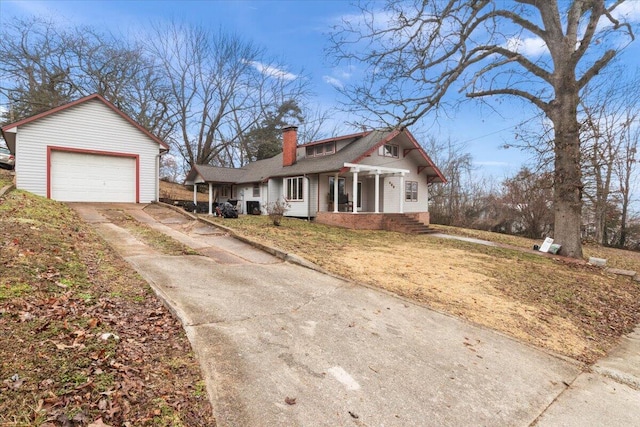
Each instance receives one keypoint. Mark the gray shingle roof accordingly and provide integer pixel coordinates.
(261, 170)
(216, 174)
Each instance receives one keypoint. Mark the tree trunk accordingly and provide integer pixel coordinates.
(600, 222)
(567, 198)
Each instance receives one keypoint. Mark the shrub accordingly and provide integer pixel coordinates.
(276, 210)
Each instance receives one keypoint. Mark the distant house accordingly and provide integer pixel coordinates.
(352, 181)
(85, 151)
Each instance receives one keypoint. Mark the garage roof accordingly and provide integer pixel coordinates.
(10, 137)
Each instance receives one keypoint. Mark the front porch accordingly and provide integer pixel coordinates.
(368, 193)
(413, 223)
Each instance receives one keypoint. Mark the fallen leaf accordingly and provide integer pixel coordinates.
(290, 400)
(25, 316)
(108, 335)
(98, 423)
(102, 404)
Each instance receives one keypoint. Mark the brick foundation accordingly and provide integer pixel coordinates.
(423, 217)
(365, 221)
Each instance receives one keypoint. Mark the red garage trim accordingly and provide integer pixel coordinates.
(96, 152)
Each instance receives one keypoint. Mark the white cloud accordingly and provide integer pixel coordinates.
(344, 73)
(491, 163)
(272, 71)
(530, 46)
(333, 81)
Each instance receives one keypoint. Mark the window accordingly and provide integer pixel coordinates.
(225, 191)
(256, 190)
(329, 147)
(341, 184)
(294, 188)
(411, 191)
(389, 150)
(321, 149)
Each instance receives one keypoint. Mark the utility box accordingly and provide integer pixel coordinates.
(253, 207)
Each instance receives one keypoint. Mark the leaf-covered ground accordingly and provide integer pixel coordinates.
(83, 339)
(574, 309)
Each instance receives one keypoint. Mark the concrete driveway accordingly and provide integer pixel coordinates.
(283, 345)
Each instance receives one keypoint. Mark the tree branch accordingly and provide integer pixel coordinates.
(514, 92)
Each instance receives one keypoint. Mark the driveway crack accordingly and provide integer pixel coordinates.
(248, 318)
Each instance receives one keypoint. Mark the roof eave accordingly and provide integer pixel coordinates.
(80, 101)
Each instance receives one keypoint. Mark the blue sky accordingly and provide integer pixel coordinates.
(296, 33)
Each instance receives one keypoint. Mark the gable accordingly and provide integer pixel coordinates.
(89, 114)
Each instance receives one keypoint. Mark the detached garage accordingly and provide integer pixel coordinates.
(86, 151)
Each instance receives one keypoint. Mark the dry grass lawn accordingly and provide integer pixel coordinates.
(172, 190)
(572, 309)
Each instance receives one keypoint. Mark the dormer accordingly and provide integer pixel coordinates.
(320, 149)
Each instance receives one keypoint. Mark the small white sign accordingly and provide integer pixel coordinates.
(546, 245)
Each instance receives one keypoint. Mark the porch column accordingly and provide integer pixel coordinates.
(402, 190)
(195, 193)
(335, 194)
(210, 198)
(377, 193)
(355, 191)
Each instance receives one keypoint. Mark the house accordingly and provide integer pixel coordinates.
(355, 181)
(86, 151)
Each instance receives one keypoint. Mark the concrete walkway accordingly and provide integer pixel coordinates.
(283, 345)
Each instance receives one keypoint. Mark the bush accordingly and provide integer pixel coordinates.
(276, 210)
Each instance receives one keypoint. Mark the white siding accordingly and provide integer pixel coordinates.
(390, 194)
(246, 191)
(300, 208)
(308, 206)
(90, 125)
(391, 184)
(275, 190)
(313, 195)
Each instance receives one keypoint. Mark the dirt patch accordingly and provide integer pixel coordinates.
(452, 281)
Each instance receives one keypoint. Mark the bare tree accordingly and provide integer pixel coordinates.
(450, 202)
(626, 168)
(318, 124)
(221, 87)
(606, 112)
(423, 49)
(34, 73)
(526, 202)
(44, 66)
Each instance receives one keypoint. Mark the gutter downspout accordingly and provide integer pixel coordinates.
(158, 157)
(307, 181)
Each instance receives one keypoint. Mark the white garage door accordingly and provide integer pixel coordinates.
(79, 177)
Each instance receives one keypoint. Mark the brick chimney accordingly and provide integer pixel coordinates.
(289, 145)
